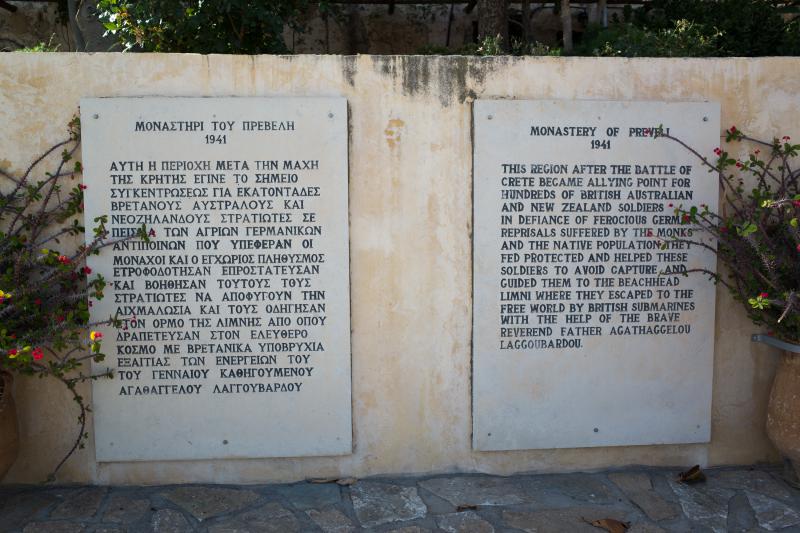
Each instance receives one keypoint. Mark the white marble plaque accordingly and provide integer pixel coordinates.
(586, 333)
(236, 337)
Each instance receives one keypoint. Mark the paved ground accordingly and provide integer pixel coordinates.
(731, 499)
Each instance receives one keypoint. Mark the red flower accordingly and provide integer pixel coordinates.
(763, 295)
(717, 151)
(757, 151)
(685, 218)
(670, 205)
(12, 351)
(37, 354)
(786, 137)
(82, 187)
(87, 270)
(798, 247)
(723, 229)
(60, 318)
(37, 301)
(733, 129)
(738, 164)
(63, 259)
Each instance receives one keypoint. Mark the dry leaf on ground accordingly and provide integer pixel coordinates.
(611, 525)
(693, 475)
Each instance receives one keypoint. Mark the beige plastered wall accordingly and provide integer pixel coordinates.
(410, 226)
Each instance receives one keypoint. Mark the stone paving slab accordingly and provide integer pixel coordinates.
(650, 500)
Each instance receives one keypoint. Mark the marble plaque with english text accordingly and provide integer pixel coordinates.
(586, 330)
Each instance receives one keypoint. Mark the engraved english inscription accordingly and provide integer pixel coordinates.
(587, 328)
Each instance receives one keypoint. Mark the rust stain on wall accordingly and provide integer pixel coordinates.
(393, 132)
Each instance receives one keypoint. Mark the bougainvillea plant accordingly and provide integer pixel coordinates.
(46, 288)
(756, 231)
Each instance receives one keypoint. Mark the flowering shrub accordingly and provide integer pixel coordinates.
(757, 234)
(45, 286)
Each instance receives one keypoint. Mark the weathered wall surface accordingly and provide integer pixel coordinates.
(411, 217)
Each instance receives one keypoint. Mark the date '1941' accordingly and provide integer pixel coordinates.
(216, 139)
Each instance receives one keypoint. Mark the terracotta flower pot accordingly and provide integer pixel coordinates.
(783, 412)
(9, 436)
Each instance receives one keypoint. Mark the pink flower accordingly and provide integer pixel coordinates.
(763, 295)
(37, 354)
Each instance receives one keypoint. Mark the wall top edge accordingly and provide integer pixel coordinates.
(432, 57)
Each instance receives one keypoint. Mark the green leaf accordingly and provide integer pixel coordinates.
(747, 229)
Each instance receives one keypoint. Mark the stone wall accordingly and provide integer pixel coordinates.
(410, 227)
(31, 24)
(347, 29)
